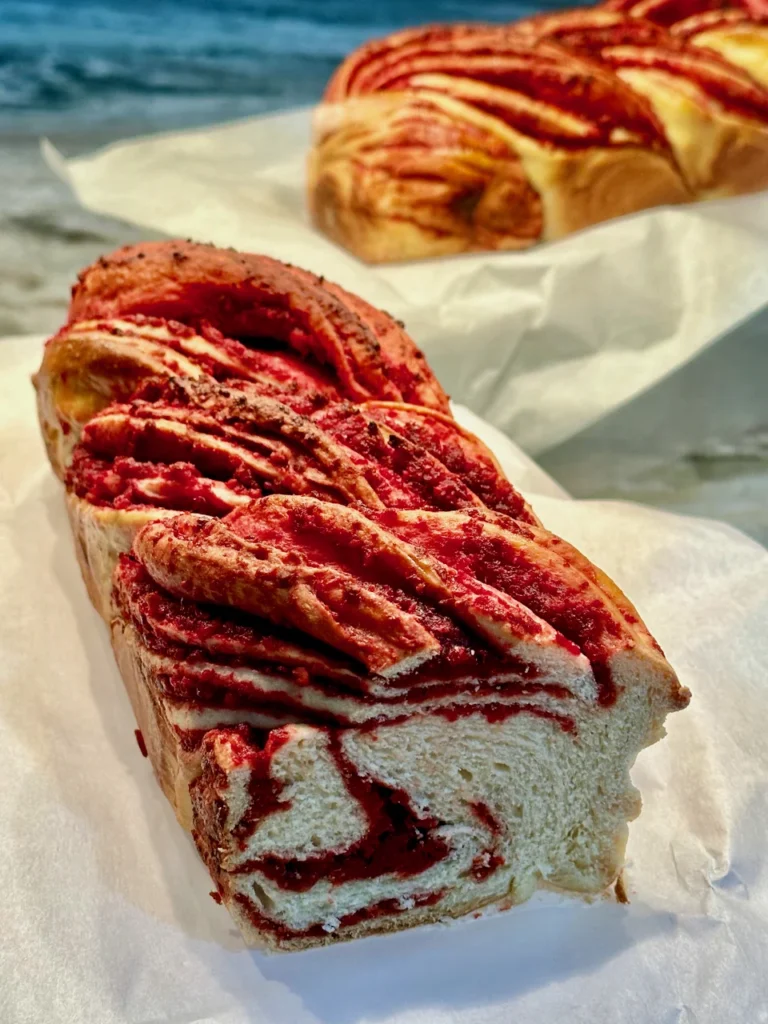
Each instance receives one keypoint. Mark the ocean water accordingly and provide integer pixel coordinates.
(78, 65)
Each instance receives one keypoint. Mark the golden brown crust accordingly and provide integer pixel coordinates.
(114, 342)
(737, 32)
(89, 364)
(714, 116)
(247, 297)
(461, 138)
(101, 535)
(737, 38)
(259, 939)
(174, 768)
(526, 192)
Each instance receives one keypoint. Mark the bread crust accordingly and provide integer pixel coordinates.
(463, 138)
(720, 154)
(298, 660)
(101, 535)
(175, 769)
(367, 210)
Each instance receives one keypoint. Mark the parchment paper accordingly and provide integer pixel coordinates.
(106, 916)
(542, 343)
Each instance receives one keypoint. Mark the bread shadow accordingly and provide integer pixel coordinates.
(466, 965)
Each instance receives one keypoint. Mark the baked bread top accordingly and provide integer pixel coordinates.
(377, 690)
(455, 138)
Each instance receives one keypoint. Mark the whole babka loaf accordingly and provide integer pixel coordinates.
(463, 137)
(374, 687)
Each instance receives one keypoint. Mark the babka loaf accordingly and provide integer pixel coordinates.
(373, 686)
(737, 31)
(464, 137)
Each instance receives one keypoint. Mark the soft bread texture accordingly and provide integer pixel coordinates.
(738, 40)
(516, 192)
(454, 138)
(714, 115)
(374, 687)
(558, 816)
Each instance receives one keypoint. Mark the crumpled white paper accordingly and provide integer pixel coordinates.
(106, 916)
(542, 343)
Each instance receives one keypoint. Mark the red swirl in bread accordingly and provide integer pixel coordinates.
(377, 690)
(461, 137)
(191, 444)
(181, 308)
(452, 138)
(422, 657)
(713, 113)
(739, 32)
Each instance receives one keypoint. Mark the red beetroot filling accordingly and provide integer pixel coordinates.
(207, 629)
(486, 862)
(171, 624)
(485, 815)
(482, 476)
(667, 12)
(529, 71)
(590, 40)
(211, 634)
(262, 302)
(264, 792)
(140, 742)
(144, 437)
(584, 621)
(217, 687)
(278, 373)
(501, 712)
(484, 865)
(396, 464)
(603, 106)
(182, 488)
(397, 841)
(737, 94)
(493, 712)
(404, 474)
(326, 543)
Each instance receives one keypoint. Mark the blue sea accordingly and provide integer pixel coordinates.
(75, 65)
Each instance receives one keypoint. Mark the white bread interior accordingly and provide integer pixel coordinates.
(562, 801)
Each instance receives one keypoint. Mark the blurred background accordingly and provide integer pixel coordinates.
(83, 73)
(86, 72)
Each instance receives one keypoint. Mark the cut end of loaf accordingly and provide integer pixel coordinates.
(319, 836)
